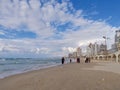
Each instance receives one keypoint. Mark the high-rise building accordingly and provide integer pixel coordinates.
(117, 36)
(70, 55)
(79, 52)
(116, 45)
(96, 48)
(103, 49)
(93, 49)
(90, 50)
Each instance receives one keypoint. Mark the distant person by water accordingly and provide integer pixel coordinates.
(70, 60)
(62, 60)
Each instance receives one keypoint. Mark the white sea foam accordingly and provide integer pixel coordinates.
(10, 67)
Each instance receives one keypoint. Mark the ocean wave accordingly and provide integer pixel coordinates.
(14, 66)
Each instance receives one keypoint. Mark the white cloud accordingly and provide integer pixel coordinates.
(2, 33)
(69, 49)
(38, 17)
(35, 4)
(40, 50)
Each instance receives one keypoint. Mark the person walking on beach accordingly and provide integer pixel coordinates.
(78, 60)
(63, 60)
(70, 60)
(87, 60)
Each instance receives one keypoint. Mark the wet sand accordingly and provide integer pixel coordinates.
(74, 76)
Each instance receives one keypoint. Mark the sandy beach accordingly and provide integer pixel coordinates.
(74, 76)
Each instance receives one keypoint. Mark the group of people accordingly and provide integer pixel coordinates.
(87, 60)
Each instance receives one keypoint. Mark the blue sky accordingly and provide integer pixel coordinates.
(43, 28)
(100, 9)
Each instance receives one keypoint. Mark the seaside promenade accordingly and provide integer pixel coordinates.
(73, 76)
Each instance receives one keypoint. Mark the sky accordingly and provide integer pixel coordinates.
(53, 28)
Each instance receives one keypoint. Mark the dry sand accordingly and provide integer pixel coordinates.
(72, 76)
(107, 66)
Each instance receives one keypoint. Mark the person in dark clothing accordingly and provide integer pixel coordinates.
(70, 60)
(89, 60)
(78, 60)
(63, 60)
(86, 61)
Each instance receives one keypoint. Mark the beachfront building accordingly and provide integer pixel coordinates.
(114, 52)
(117, 36)
(72, 55)
(96, 48)
(90, 50)
(77, 53)
(96, 51)
(100, 52)
(93, 50)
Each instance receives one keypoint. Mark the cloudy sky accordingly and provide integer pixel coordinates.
(43, 28)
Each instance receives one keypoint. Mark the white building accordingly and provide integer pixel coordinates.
(79, 52)
(100, 52)
(103, 49)
(96, 48)
(112, 54)
(93, 49)
(117, 36)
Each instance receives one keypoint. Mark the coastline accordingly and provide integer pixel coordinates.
(2, 76)
(63, 77)
(9, 67)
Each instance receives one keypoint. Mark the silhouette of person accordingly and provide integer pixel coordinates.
(70, 60)
(89, 59)
(78, 60)
(63, 60)
(86, 61)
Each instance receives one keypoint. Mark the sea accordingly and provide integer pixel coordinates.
(12, 66)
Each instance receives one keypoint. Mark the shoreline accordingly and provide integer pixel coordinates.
(96, 62)
(63, 77)
(96, 66)
(2, 76)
